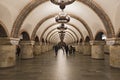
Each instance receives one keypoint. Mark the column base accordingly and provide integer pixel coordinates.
(26, 51)
(115, 56)
(7, 56)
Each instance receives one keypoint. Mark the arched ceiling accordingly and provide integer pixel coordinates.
(68, 35)
(88, 17)
(70, 32)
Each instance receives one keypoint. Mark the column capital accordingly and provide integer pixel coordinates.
(113, 41)
(9, 41)
(94, 42)
(86, 43)
(27, 42)
(14, 41)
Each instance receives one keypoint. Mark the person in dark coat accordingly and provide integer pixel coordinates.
(66, 49)
(73, 50)
(56, 47)
(70, 50)
(18, 50)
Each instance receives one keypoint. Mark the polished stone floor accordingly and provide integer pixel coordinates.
(47, 66)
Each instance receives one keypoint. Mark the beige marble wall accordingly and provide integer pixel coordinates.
(37, 49)
(114, 50)
(97, 49)
(87, 49)
(7, 55)
(7, 52)
(80, 48)
(26, 49)
(106, 49)
(115, 56)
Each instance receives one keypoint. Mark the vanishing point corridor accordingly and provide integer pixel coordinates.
(47, 66)
(59, 39)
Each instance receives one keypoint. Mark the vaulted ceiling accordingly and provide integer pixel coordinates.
(37, 18)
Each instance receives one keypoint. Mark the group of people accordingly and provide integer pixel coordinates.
(66, 49)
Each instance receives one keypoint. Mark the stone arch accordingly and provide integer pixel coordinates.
(50, 16)
(92, 4)
(51, 36)
(47, 38)
(25, 36)
(68, 24)
(87, 39)
(117, 20)
(3, 32)
(6, 18)
(68, 28)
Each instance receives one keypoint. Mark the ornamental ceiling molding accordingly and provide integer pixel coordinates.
(56, 32)
(68, 24)
(92, 4)
(53, 15)
(65, 31)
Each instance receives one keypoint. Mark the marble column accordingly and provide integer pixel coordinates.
(106, 49)
(114, 52)
(80, 48)
(86, 49)
(43, 47)
(26, 49)
(37, 49)
(7, 52)
(76, 47)
(97, 49)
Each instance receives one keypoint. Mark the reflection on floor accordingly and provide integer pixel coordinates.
(61, 67)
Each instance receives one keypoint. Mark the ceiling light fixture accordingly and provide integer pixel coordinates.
(62, 17)
(62, 3)
(62, 27)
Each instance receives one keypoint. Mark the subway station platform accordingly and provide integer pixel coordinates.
(47, 66)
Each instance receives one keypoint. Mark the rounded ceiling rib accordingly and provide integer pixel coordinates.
(52, 35)
(23, 14)
(55, 24)
(50, 16)
(102, 15)
(92, 4)
(70, 40)
(73, 38)
(85, 25)
(55, 29)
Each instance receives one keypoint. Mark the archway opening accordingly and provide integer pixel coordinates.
(118, 35)
(2, 32)
(87, 39)
(25, 36)
(100, 36)
(81, 40)
(36, 39)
